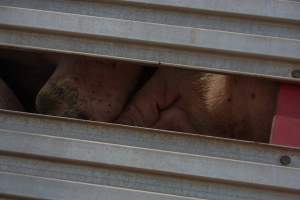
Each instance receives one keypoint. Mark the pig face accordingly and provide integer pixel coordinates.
(197, 102)
(88, 89)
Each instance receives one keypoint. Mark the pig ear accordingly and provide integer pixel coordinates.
(144, 109)
(8, 99)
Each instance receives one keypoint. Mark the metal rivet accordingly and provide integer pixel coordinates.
(296, 73)
(285, 160)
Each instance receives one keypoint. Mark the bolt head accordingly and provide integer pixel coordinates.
(285, 160)
(296, 73)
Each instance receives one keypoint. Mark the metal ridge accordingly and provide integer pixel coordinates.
(66, 151)
(137, 31)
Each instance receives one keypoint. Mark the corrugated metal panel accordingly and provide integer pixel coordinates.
(58, 158)
(258, 37)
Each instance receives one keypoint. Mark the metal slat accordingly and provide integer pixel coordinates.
(272, 9)
(82, 159)
(288, 10)
(146, 138)
(197, 18)
(148, 33)
(152, 160)
(147, 54)
(136, 180)
(118, 36)
(41, 188)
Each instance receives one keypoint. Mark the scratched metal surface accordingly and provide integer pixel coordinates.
(63, 159)
(257, 38)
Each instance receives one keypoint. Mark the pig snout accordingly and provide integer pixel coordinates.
(88, 89)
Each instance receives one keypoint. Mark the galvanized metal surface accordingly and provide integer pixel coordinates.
(259, 8)
(249, 37)
(151, 160)
(165, 13)
(150, 33)
(64, 155)
(145, 138)
(64, 190)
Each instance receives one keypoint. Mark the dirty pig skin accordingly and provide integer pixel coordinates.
(172, 99)
(196, 102)
(88, 89)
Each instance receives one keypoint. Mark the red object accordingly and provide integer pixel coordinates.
(286, 123)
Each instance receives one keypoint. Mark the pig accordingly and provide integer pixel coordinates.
(196, 102)
(8, 99)
(88, 88)
(171, 99)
